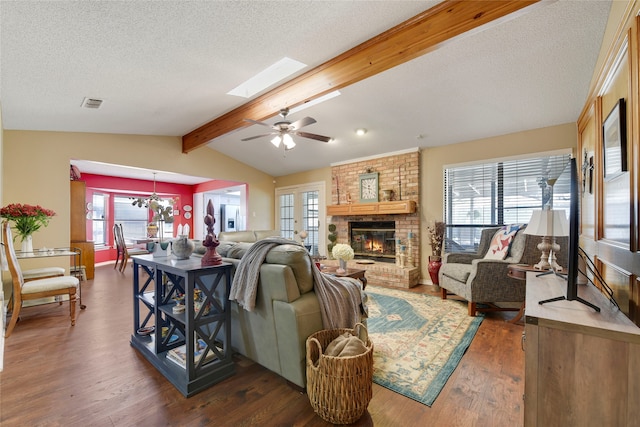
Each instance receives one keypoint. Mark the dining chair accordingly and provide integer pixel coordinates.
(34, 289)
(119, 245)
(124, 251)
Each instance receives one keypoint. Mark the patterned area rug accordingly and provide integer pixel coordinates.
(418, 340)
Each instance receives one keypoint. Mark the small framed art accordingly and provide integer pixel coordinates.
(614, 141)
(369, 187)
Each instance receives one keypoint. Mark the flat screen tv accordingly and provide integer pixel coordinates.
(566, 188)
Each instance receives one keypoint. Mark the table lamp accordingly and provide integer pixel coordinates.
(548, 223)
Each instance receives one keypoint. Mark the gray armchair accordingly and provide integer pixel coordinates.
(480, 280)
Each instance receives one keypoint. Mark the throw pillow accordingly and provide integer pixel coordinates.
(501, 242)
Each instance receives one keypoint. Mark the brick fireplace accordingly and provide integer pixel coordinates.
(399, 172)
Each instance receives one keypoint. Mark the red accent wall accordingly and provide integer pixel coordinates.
(135, 187)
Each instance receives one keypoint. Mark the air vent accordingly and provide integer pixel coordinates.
(91, 103)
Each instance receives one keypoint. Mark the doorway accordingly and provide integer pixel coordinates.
(300, 215)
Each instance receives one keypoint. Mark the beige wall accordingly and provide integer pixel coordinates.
(35, 170)
(315, 175)
(433, 160)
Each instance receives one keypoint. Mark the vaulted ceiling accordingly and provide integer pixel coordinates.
(164, 68)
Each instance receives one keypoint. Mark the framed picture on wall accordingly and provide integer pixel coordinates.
(614, 141)
(369, 187)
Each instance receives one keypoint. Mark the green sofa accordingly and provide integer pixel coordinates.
(287, 310)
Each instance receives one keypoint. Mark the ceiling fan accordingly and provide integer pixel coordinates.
(283, 130)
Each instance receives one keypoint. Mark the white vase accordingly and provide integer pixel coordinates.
(27, 245)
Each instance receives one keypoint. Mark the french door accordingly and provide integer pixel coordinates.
(301, 210)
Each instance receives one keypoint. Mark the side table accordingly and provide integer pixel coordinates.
(354, 273)
(519, 272)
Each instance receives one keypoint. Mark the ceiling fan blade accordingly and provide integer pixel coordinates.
(255, 122)
(306, 121)
(257, 136)
(313, 136)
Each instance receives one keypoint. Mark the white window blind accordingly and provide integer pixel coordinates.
(496, 193)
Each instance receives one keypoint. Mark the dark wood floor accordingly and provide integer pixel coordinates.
(89, 375)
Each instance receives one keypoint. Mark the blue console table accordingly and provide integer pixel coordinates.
(161, 283)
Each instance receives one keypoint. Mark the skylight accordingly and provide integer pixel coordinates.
(267, 77)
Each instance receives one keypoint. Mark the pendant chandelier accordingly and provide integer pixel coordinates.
(154, 203)
(147, 201)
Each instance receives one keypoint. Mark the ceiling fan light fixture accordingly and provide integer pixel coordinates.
(288, 141)
(276, 141)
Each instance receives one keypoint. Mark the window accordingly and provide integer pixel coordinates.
(497, 193)
(166, 227)
(99, 218)
(134, 220)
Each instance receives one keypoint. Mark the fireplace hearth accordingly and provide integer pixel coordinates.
(373, 240)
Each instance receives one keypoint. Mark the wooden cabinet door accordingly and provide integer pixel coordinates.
(78, 220)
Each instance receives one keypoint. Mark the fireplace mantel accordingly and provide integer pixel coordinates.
(380, 208)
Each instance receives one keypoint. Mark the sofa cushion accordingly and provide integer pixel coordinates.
(263, 234)
(237, 236)
(198, 249)
(501, 242)
(298, 259)
(224, 247)
(294, 256)
(235, 250)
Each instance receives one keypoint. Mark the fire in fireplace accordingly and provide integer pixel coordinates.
(373, 240)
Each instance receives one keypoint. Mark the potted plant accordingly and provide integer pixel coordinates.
(436, 235)
(27, 220)
(333, 237)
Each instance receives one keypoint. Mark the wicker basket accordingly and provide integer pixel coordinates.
(339, 388)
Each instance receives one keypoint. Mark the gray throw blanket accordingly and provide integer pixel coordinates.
(341, 298)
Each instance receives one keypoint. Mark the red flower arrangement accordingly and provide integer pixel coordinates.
(28, 218)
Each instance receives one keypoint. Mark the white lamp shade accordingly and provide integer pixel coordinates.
(276, 141)
(288, 141)
(548, 222)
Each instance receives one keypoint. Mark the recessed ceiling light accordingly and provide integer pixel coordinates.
(267, 77)
(361, 131)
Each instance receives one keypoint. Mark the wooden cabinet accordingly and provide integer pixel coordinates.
(77, 213)
(582, 368)
(381, 208)
(78, 226)
(87, 258)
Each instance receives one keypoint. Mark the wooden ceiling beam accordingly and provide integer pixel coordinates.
(404, 42)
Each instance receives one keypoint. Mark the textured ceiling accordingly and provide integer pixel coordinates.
(163, 68)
